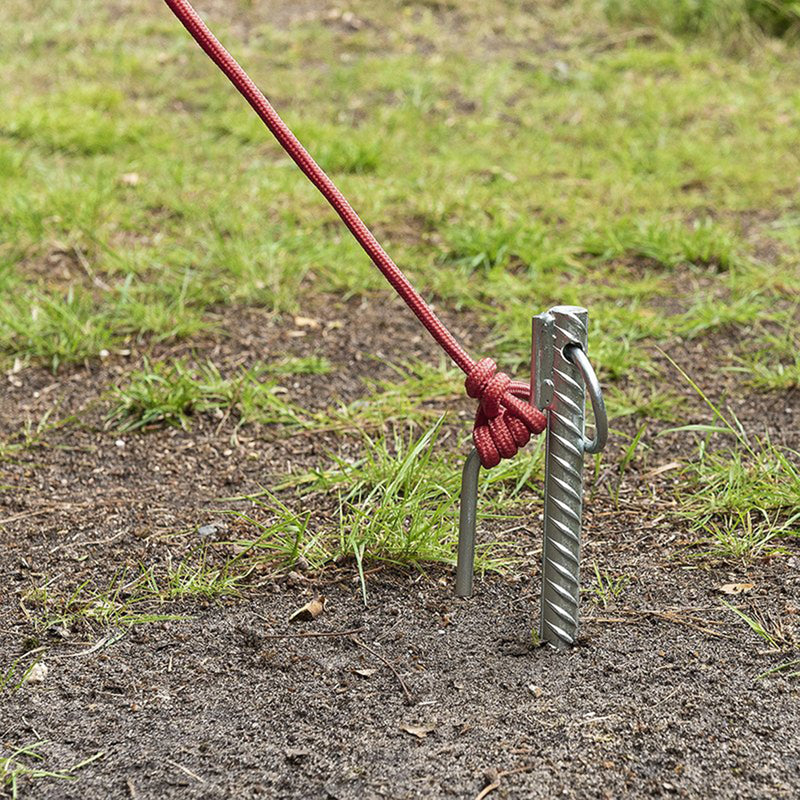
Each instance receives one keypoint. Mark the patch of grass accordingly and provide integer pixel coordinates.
(284, 537)
(419, 395)
(32, 434)
(195, 576)
(744, 496)
(54, 329)
(774, 365)
(485, 248)
(499, 489)
(298, 365)
(137, 596)
(666, 244)
(769, 630)
(171, 393)
(711, 313)
(398, 504)
(127, 601)
(18, 767)
(642, 400)
(608, 588)
(400, 507)
(727, 20)
(743, 534)
(82, 121)
(15, 675)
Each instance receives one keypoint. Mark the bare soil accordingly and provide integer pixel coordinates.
(419, 694)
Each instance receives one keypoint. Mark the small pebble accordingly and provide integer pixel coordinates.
(38, 672)
(211, 528)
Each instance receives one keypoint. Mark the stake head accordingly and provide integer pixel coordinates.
(542, 345)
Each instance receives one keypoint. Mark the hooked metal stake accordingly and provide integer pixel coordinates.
(560, 375)
(465, 568)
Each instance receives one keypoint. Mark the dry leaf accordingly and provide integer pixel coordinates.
(735, 588)
(311, 610)
(365, 672)
(420, 731)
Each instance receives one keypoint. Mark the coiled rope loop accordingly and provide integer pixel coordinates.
(505, 420)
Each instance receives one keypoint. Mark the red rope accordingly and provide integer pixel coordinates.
(505, 420)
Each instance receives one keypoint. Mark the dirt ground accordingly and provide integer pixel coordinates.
(420, 694)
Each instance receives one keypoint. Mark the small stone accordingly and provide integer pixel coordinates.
(211, 528)
(120, 443)
(536, 691)
(37, 673)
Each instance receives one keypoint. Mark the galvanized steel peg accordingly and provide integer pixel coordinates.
(560, 375)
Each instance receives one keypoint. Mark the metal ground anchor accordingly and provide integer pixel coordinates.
(560, 375)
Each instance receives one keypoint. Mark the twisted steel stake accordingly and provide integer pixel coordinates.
(563, 499)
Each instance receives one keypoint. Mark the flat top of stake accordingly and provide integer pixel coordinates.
(568, 310)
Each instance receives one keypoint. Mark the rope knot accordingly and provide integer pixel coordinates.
(505, 419)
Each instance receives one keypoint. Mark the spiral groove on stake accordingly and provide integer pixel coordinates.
(505, 420)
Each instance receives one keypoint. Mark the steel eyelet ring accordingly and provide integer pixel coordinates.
(578, 357)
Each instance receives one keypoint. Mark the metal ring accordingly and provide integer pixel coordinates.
(575, 354)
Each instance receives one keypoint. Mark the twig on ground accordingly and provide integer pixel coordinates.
(406, 691)
(186, 770)
(667, 615)
(102, 644)
(495, 783)
(314, 634)
(487, 790)
(85, 543)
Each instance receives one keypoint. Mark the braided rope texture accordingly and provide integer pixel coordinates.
(505, 420)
